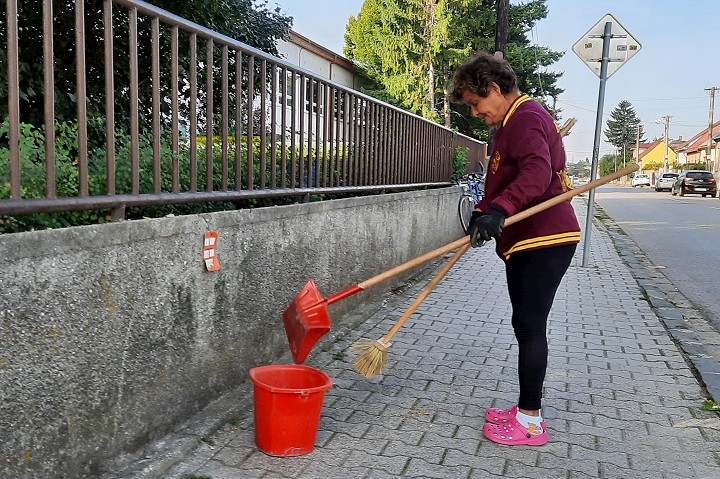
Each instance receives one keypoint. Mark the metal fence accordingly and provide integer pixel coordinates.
(185, 114)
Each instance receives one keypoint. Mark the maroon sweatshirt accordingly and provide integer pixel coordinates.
(527, 167)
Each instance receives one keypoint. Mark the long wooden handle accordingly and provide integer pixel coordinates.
(425, 292)
(512, 219)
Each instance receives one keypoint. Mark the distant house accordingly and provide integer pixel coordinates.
(305, 53)
(321, 62)
(652, 155)
(694, 150)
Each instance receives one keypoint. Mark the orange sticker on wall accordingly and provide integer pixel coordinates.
(209, 251)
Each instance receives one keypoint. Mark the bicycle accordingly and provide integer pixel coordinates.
(472, 185)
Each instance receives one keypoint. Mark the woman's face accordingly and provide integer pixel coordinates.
(491, 108)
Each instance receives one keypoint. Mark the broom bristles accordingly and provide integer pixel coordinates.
(371, 358)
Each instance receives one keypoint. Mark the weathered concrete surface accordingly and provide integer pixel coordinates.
(112, 334)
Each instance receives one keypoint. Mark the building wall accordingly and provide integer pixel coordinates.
(657, 154)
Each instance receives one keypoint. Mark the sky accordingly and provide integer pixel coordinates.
(668, 76)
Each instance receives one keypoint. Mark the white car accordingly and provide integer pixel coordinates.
(665, 181)
(640, 180)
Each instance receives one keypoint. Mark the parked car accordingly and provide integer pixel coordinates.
(665, 181)
(695, 182)
(640, 180)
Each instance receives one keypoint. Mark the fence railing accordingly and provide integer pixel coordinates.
(171, 112)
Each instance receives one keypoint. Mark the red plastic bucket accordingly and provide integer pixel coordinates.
(288, 403)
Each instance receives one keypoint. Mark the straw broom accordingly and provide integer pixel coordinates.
(373, 354)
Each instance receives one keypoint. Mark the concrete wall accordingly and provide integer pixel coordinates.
(112, 334)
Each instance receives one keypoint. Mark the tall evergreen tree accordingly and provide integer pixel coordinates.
(623, 128)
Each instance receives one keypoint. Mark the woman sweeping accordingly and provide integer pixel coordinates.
(527, 166)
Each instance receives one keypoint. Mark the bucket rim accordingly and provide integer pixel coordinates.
(254, 372)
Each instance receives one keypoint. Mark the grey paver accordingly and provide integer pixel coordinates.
(620, 398)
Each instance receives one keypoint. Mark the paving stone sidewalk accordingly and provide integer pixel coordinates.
(620, 399)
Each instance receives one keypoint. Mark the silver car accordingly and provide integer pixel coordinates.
(665, 181)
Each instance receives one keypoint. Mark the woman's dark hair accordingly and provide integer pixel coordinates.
(477, 75)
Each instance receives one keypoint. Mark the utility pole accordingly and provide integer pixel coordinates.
(665, 119)
(708, 153)
(501, 35)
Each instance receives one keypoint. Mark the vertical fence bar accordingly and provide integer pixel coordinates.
(134, 108)
(319, 106)
(80, 90)
(346, 139)
(301, 143)
(373, 142)
(386, 146)
(209, 108)
(328, 117)
(263, 123)
(109, 98)
(250, 123)
(174, 105)
(293, 113)
(395, 135)
(273, 122)
(370, 142)
(193, 113)
(49, 94)
(372, 125)
(155, 42)
(311, 97)
(13, 98)
(339, 168)
(238, 120)
(224, 125)
(384, 156)
(360, 142)
(305, 129)
(283, 126)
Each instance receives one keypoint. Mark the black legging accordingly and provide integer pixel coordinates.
(533, 278)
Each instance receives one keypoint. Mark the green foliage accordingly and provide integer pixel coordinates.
(33, 161)
(32, 176)
(610, 163)
(409, 48)
(460, 162)
(581, 168)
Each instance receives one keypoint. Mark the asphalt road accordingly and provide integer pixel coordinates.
(681, 234)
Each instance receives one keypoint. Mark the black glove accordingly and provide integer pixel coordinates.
(475, 242)
(484, 226)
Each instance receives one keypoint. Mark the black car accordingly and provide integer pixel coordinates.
(694, 182)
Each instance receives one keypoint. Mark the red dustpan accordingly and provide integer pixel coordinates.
(306, 319)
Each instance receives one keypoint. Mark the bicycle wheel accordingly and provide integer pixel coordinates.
(465, 209)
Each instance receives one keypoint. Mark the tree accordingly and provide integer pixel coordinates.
(409, 50)
(581, 168)
(623, 129)
(608, 164)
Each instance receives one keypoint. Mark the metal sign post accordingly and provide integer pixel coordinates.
(604, 48)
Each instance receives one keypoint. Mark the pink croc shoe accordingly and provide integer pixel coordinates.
(512, 433)
(500, 416)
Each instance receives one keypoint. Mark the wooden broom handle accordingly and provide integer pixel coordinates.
(511, 220)
(425, 292)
